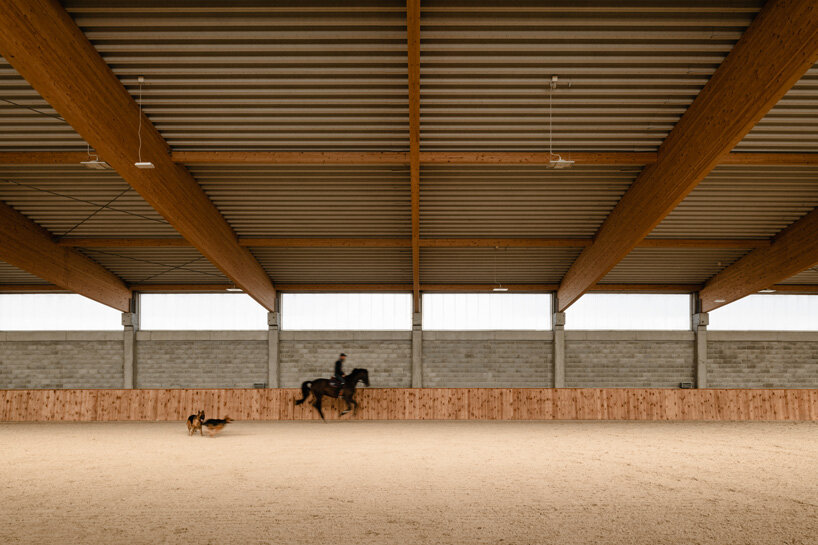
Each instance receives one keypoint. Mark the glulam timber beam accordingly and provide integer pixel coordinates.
(413, 48)
(42, 157)
(402, 158)
(407, 288)
(791, 251)
(777, 49)
(326, 242)
(41, 41)
(406, 242)
(292, 157)
(29, 247)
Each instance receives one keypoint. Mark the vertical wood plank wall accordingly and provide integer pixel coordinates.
(415, 404)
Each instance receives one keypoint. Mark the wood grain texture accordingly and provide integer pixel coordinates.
(41, 41)
(402, 158)
(792, 251)
(415, 404)
(27, 246)
(776, 50)
(406, 242)
(292, 157)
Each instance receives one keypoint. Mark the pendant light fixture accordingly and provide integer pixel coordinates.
(93, 161)
(140, 163)
(499, 287)
(554, 160)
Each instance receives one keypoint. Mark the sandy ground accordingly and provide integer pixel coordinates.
(410, 482)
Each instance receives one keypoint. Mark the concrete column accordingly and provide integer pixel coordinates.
(417, 350)
(130, 326)
(559, 349)
(700, 322)
(273, 369)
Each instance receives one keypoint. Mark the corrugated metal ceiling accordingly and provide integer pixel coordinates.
(673, 265)
(331, 75)
(306, 75)
(518, 201)
(333, 265)
(741, 201)
(12, 275)
(627, 70)
(487, 265)
(310, 201)
(157, 265)
(79, 202)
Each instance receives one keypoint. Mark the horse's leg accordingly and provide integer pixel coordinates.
(346, 397)
(317, 405)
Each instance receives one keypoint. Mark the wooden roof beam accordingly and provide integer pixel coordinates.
(402, 158)
(776, 50)
(406, 242)
(407, 288)
(41, 41)
(791, 251)
(28, 246)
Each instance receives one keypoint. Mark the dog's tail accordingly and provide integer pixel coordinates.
(305, 392)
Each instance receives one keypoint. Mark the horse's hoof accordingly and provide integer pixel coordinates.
(344, 412)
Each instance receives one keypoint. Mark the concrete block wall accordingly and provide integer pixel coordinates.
(491, 359)
(201, 359)
(762, 359)
(239, 359)
(305, 355)
(621, 359)
(60, 359)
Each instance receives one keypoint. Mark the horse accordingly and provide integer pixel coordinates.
(323, 387)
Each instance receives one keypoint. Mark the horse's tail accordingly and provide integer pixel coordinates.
(305, 392)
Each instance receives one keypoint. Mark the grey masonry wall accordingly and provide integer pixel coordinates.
(228, 359)
(60, 359)
(499, 359)
(305, 355)
(637, 359)
(762, 359)
(201, 359)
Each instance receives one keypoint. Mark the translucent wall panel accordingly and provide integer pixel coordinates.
(56, 312)
(346, 311)
(629, 311)
(768, 313)
(207, 311)
(486, 311)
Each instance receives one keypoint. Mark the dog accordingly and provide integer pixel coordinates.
(215, 425)
(194, 422)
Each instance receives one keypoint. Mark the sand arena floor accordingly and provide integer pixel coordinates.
(410, 482)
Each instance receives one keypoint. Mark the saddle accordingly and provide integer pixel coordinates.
(335, 383)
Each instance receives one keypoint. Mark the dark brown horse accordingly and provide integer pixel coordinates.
(323, 387)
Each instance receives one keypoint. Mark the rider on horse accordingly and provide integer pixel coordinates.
(339, 371)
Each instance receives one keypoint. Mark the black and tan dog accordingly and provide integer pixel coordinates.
(215, 425)
(194, 422)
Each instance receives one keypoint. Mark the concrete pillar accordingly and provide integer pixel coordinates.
(559, 349)
(700, 322)
(417, 350)
(130, 327)
(273, 369)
